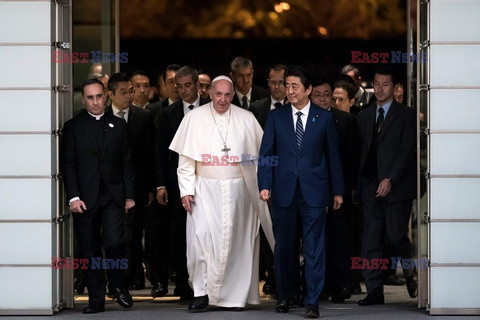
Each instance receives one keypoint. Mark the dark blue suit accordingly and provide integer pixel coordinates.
(299, 187)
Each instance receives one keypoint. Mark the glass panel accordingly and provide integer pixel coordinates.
(15, 281)
(25, 155)
(450, 242)
(455, 154)
(443, 118)
(35, 196)
(25, 66)
(462, 17)
(454, 287)
(448, 68)
(14, 16)
(33, 240)
(93, 34)
(447, 194)
(33, 107)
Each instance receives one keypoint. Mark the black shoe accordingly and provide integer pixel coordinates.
(269, 288)
(357, 289)
(412, 287)
(341, 296)
(123, 297)
(93, 309)
(311, 311)
(198, 304)
(159, 290)
(282, 306)
(372, 299)
(393, 280)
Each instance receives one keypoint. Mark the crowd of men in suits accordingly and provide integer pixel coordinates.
(348, 182)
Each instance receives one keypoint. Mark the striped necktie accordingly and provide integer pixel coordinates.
(299, 129)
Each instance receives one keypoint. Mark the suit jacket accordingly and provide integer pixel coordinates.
(348, 142)
(83, 164)
(257, 94)
(261, 109)
(166, 160)
(395, 149)
(310, 165)
(156, 109)
(140, 136)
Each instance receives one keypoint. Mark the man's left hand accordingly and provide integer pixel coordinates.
(337, 202)
(129, 203)
(384, 188)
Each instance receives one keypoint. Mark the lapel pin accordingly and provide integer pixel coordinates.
(111, 125)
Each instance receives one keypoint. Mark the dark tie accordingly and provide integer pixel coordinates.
(299, 129)
(380, 118)
(244, 102)
(277, 105)
(191, 107)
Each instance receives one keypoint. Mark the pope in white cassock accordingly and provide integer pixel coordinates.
(218, 185)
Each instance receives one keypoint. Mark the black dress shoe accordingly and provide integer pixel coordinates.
(93, 309)
(311, 311)
(341, 296)
(198, 304)
(159, 290)
(412, 287)
(282, 306)
(123, 297)
(269, 288)
(372, 299)
(393, 280)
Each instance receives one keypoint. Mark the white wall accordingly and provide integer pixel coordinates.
(26, 158)
(454, 122)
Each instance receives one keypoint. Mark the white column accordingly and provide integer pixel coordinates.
(454, 159)
(27, 158)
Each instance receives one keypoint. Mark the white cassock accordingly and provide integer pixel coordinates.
(223, 228)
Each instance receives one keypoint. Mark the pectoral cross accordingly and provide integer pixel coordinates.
(225, 149)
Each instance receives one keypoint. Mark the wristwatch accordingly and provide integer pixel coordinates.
(391, 180)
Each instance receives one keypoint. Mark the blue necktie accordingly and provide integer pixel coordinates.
(299, 129)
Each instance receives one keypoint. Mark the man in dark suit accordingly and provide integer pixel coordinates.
(301, 141)
(140, 137)
(337, 222)
(241, 73)
(156, 108)
(168, 193)
(99, 181)
(387, 181)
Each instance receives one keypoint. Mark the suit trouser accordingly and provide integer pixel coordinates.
(285, 225)
(133, 230)
(387, 220)
(102, 225)
(178, 240)
(336, 240)
(157, 242)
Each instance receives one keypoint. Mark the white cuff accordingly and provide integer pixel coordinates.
(73, 199)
